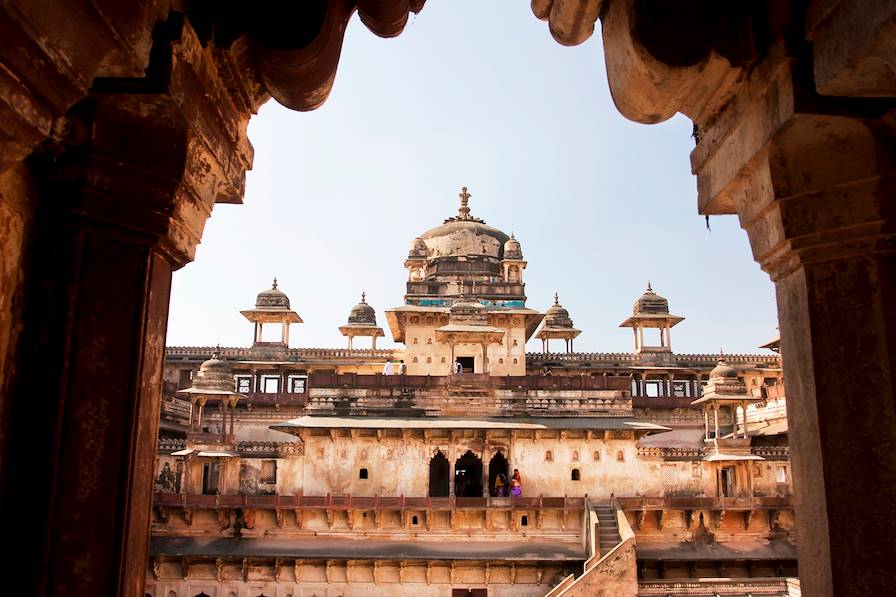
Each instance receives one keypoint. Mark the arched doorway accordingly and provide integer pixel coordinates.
(468, 476)
(497, 465)
(438, 475)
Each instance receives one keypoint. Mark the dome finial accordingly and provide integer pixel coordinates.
(363, 297)
(556, 298)
(274, 284)
(217, 353)
(649, 288)
(463, 213)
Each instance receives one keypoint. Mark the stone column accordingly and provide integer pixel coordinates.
(825, 235)
(123, 199)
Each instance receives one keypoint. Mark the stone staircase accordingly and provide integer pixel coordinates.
(609, 528)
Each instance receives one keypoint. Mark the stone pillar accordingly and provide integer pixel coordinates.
(825, 236)
(123, 199)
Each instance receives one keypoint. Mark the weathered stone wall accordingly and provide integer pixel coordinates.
(349, 579)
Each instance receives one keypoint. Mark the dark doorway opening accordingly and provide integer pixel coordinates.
(726, 480)
(498, 466)
(468, 476)
(468, 364)
(438, 475)
(469, 592)
(210, 473)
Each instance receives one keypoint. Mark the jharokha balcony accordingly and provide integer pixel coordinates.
(347, 512)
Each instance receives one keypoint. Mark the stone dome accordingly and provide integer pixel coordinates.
(512, 248)
(418, 248)
(274, 298)
(723, 371)
(651, 302)
(214, 375)
(362, 313)
(463, 235)
(557, 316)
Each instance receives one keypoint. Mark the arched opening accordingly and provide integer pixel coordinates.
(576, 474)
(414, 520)
(524, 521)
(498, 465)
(468, 476)
(362, 474)
(438, 475)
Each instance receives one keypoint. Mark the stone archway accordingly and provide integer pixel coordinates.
(778, 93)
(498, 465)
(439, 475)
(468, 475)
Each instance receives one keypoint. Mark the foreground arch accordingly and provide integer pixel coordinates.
(794, 110)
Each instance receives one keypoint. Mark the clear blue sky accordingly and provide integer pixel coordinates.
(600, 205)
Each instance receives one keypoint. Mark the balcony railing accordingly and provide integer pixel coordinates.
(350, 502)
(705, 503)
(515, 382)
(276, 398)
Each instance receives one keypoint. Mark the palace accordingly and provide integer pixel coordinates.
(366, 471)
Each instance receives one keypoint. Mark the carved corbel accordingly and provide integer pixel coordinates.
(279, 517)
(512, 573)
(279, 565)
(223, 518)
(429, 572)
(185, 567)
(452, 575)
(748, 516)
(640, 515)
(156, 567)
(720, 518)
(329, 571)
(330, 515)
(188, 516)
(219, 569)
(660, 515)
(689, 73)
(376, 572)
(244, 569)
(688, 519)
(249, 518)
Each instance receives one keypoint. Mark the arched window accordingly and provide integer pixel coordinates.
(575, 455)
(443, 359)
(620, 456)
(515, 361)
(596, 456)
(415, 340)
(549, 456)
(414, 519)
(501, 361)
(524, 520)
(415, 359)
(576, 475)
(429, 340)
(362, 474)
(429, 359)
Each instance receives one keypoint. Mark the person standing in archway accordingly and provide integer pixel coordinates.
(516, 484)
(500, 485)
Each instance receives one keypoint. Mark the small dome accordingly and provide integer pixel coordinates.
(651, 302)
(557, 316)
(362, 313)
(418, 248)
(723, 371)
(272, 298)
(214, 374)
(512, 248)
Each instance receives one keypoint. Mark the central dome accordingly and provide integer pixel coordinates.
(464, 235)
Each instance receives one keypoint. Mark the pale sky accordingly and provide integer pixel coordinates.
(600, 204)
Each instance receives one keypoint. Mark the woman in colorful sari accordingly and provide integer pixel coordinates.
(516, 484)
